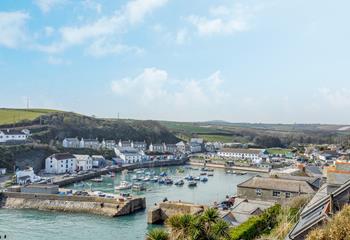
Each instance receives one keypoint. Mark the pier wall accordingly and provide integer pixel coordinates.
(167, 209)
(246, 169)
(77, 204)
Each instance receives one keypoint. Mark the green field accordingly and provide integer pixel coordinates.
(278, 151)
(10, 116)
(216, 138)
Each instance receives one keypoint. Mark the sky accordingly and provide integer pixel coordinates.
(265, 61)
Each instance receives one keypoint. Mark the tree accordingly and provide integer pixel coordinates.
(157, 234)
(207, 226)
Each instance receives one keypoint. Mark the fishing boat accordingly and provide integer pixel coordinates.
(197, 178)
(192, 184)
(98, 180)
(138, 187)
(204, 179)
(179, 182)
(168, 181)
(123, 186)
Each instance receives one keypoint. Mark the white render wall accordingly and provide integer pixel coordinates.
(54, 166)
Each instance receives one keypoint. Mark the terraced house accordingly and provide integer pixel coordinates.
(255, 155)
(11, 135)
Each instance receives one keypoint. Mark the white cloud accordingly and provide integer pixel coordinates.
(57, 61)
(222, 20)
(182, 36)
(46, 5)
(102, 47)
(136, 10)
(104, 30)
(90, 4)
(49, 31)
(12, 28)
(338, 99)
(153, 91)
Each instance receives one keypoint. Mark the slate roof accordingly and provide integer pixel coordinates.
(319, 209)
(62, 156)
(277, 183)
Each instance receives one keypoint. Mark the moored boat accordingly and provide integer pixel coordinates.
(179, 182)
(192, 184)
(97, 179)
(138, 187)
(123, 186)
(204, 179)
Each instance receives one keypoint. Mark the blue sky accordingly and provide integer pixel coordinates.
(242, 61)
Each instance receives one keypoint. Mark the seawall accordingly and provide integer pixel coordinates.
(247, 169)
(73, 204)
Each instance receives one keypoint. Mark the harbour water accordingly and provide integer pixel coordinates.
(31, 224)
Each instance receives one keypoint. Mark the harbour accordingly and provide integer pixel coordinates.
(133, 226)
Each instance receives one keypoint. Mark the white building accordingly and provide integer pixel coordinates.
(160, 148)
(195, 147)
(181, 147)
(98, 161)
(61, 163)
(90, 143)
(171, 148)
(2, 171)
(255, 155)
(125, 144)
(84, 162)
(26, 176)
(11, 135)
(71, 143)
(197, 140)
(142, 146)
(129, 155)
(108, 144)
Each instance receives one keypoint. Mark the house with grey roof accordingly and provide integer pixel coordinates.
(275, 188)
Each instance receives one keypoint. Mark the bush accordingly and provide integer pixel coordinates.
(257, 225)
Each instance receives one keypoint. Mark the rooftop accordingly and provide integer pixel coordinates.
(241, 150)
(277, 183)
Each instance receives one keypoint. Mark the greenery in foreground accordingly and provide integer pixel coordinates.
(274, 223)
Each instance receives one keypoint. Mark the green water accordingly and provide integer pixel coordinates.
(32, 224)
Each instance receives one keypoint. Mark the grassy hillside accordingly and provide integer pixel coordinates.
(11, 116)
(279, 134)
(56, 125)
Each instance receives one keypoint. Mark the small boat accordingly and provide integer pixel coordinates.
(161, 181)
(97, 180)
(241, 173)
(192, 184)
(134, 177)
(210, 174)
(155, 179)
(146, 179)
(125, 172)
(179, 182)
(138, 187)
(204, 179)
(197, 178)
(139, 179)
(123, 186)
(189, 178)
(163, 174)
(168, 181)
(203, 173)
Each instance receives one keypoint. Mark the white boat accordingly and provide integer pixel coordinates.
(97, 179)
(123, 186)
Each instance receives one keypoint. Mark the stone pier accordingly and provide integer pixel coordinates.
(76, 204)
(165, 210)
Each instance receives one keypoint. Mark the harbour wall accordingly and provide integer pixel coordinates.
(165, 210)
(74, 204)
(165, 163)
(247, 169)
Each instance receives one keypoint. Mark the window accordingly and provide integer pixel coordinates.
(287, 194)
(276, 193)
(258, 192)
(50, 166)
